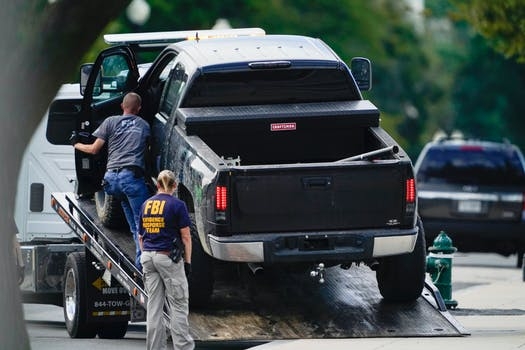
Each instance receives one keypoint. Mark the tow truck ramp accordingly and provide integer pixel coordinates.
(293, 306)
(271, 305)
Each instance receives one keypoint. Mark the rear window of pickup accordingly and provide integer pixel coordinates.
(276, 86)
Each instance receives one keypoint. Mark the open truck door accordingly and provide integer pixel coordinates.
(103, 85)
(114, 73)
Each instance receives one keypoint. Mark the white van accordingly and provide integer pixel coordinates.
(47, 166)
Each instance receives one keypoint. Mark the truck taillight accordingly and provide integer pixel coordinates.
(410, 194)
(221, 198)
(410, 197)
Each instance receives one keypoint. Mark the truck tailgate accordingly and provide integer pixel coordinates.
(321, 197)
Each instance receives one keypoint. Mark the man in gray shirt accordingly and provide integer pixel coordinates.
(126, 136)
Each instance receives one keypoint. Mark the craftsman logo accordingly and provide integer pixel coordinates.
(283, 126)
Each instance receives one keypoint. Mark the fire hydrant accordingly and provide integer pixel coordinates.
(439, 266)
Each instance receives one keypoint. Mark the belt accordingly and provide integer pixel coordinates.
(163, 252)
(126, 167)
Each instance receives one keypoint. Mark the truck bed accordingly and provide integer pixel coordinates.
(283, 305)
(288, 133)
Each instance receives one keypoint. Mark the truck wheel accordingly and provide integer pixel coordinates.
(115, 330)
(401, 278)
(201, 279)
(109, 211)
(75, 298)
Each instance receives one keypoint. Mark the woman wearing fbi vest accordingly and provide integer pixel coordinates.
(165, 240)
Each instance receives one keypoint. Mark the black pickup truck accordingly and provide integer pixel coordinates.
(280, 160)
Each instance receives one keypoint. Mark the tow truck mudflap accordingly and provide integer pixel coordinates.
(105, 301)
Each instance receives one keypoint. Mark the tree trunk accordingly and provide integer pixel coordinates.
(41, 47)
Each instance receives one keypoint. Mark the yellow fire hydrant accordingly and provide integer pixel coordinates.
(439, 266)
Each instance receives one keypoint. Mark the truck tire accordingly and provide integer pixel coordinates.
(201, 279)
(75, 298)
(115, 330)
(401, 278)
(109, 211)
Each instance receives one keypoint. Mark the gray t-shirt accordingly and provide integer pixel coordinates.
(126, 137)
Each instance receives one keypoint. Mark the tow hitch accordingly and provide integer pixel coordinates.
(318, 272)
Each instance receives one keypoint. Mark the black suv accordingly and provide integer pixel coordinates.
(474, 191)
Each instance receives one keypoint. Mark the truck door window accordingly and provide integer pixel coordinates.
(115, 74)
(155, 86)
(173, 89)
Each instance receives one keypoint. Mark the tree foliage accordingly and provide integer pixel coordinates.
(487, 95)
(501, 22)
(485, 84)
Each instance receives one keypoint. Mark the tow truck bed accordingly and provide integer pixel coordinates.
(294, 306)
(280, 305)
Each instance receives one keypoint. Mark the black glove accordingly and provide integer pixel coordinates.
(187, 269)
(73, 139)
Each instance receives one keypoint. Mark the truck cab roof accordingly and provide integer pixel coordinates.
(214, 52)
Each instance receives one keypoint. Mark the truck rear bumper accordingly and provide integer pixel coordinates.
(333, 246)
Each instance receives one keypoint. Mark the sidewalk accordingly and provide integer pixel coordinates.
(491, 306)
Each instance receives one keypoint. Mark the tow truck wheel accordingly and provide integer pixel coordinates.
(109, 210)
(401, 278)
(75, 298)
(115, 330)
(201, 279)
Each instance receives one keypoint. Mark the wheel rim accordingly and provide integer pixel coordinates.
(70, 295)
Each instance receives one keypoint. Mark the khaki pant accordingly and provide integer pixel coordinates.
(165, 281)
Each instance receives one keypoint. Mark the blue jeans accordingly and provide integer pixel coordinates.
(132, 192)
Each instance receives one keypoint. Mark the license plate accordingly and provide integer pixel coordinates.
(469, 206)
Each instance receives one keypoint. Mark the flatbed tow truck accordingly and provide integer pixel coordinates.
(245, 306)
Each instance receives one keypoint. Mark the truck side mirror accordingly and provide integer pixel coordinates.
(362, 71)
(85, 72)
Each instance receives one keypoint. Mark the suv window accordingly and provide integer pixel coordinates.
(472, 164)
